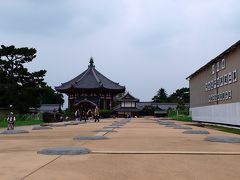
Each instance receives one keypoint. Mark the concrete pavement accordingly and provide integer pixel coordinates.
(141, 149)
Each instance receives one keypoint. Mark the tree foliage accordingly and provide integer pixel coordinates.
(180, 96)
(50, 96)
(161, 96)
(148, 111)
(19, 87)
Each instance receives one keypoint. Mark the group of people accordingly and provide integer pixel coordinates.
(82, 114)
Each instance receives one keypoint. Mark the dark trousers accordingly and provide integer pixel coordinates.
(10, 126)
(96, 118)
(84, 118)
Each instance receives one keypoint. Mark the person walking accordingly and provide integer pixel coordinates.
(89, 114)
(77, 115)
(96, 114)
(84, 115)
(11, 121)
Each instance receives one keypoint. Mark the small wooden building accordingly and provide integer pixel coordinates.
(89, 89)
(128, 106)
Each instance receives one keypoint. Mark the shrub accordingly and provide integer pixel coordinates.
(148, 111)
(105, 113)
(68, 112)
(181, 115)
(51, 117)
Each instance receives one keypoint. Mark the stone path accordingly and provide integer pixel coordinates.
(139, 149)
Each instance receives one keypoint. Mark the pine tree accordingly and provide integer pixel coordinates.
(19, 87)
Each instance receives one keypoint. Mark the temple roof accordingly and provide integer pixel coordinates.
(129, 97)
(126, 109)
(90, 79)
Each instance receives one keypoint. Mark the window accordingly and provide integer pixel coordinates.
(229, 94)
(218, 66)
(218, 82)
(226, 95)
(223, 64)
(234, 76)
(209, 98)
(213, 69)
(223, 96)
(209, 85)
(214, 83)
(221, 81)
(225, 79)
(206, 86)
(229, 78)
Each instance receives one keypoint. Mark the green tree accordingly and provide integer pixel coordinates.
(50, 96)
(161, 96)
(182, 94)
(19, 87)
(181, 97)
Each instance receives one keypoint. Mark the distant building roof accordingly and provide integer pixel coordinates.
(129, 97)
(126, 109)
(162, 106)
(46, 108)
(230, 49)
(91, 79)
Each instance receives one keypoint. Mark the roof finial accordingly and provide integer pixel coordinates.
(91, 62)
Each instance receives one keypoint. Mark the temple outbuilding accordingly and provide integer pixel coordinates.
(128, 106)
(90, 89)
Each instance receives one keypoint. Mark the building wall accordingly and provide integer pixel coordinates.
(128, 104)
(217, 102)
(221, 113)
(199, 96)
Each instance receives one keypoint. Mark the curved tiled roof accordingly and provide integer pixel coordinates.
(90, 79)
(129, 97)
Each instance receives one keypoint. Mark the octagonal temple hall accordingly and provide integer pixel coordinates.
(90, 88)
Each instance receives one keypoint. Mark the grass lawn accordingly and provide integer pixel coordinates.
(182, 115)
(224, 129)
(21, 123)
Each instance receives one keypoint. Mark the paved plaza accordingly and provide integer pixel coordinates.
(140, 148)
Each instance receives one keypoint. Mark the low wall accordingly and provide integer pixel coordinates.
(220, 113)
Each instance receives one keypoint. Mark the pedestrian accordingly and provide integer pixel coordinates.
(96, 114)
(11, 121)
(89, 114)
(77, 115)
(84, 115)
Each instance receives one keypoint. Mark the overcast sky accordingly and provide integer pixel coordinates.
(142, 44)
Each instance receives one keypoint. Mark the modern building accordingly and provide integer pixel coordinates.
(128, 106)
(89, 89)
(215, 89)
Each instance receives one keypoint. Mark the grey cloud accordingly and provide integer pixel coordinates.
(144, 45)
(34, 18)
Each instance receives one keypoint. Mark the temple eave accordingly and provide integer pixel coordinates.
(63, 90)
